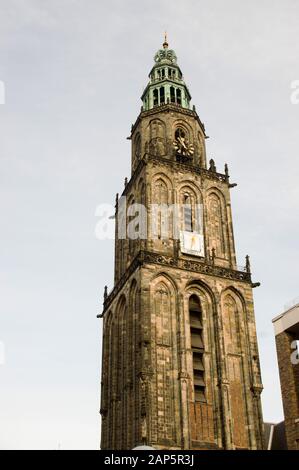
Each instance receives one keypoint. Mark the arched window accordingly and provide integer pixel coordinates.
(179, 96)
(162, 95)
(184, 149)
(160, 197)
(180, 133)
(215, 223)
(156, 97)
(172, 94)
(197, 347)
(188, 214)
(137, 145)
(132, 241)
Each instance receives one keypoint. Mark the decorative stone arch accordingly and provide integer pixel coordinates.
(131, 198)
(156, 128)
(237, 293)
(216, 216)
(133, 316)
(107, 343)
(131, 354)
(141, 191)
(161, 199)
(114, 435)
(233, 313)
(193, 187)
(217, 191)
(136, 148)
(241, 306)
(179, 123)
(156, 132)
(162, 178)
(163, 276)
(189, 198)
(118, 313)
(130, 242)
(121, 368)
(232, 316)
(201, 149)
(107, 346)
(205, 288)
(134, 308)
(106, 378)
(137, 145)
(117, 319)
(165, 360)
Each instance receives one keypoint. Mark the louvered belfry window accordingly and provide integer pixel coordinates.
(197, 347)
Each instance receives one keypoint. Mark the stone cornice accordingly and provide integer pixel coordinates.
(208, 174)
(167, 108)
(200, 267)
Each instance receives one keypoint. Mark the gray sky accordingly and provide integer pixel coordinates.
(74, 72)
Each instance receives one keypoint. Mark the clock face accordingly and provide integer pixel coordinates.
(183, 148)
(181, 144)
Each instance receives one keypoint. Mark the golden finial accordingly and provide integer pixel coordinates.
(165, 43)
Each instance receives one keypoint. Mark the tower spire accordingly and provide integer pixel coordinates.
(165, 43)
(166, 81)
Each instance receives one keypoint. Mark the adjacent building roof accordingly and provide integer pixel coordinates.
(287, 321)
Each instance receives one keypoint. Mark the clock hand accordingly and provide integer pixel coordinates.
(182, 142)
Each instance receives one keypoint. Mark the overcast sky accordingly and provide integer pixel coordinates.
(74, 72)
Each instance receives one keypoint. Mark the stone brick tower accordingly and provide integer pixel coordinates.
(180, 367)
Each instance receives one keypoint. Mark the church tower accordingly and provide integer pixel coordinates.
(180, 365)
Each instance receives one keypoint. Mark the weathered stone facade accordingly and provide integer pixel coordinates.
(180, 363)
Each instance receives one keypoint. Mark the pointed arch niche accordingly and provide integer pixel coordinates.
(190, 201)
(233, 314)
(164, 329)
(162, 219)
(216, 224)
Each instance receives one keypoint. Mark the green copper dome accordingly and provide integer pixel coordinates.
(166, 83)
(165, 56)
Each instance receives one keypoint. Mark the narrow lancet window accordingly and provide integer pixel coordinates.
(188, 214)
(197, 347)
(179, 96)
(172, 94)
